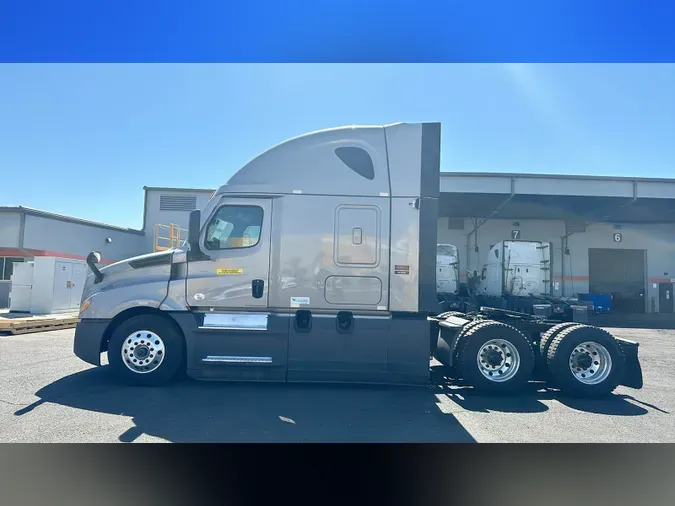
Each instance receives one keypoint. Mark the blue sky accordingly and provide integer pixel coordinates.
(83, 140)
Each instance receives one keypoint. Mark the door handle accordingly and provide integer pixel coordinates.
(257, 288)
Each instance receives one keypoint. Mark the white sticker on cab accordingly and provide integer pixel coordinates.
(299, 301)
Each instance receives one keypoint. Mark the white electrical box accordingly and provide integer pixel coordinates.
(21, 287)
(55, 286)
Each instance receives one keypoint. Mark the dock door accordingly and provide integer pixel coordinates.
(621, 273)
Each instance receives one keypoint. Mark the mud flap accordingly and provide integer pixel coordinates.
(447, 335)
(632, 377)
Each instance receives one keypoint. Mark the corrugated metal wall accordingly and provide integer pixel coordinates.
(10, 226)
(77, 239)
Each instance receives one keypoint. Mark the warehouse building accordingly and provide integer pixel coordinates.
(26, 233)
(608, 235)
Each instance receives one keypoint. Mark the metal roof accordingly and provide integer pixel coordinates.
(557, 207)
(70, 219)
(164, 188)
(559, 176)
(555, 196)
(561, 185)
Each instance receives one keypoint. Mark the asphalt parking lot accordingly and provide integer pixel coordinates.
(48, 395)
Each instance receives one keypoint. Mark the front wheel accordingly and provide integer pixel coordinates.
(146, 350)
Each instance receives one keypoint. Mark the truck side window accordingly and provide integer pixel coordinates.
(234, 227)
(358, 160)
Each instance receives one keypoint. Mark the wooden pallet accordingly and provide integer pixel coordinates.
(40, 323)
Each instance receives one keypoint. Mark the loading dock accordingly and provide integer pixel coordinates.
(575, 214)
(621, 273)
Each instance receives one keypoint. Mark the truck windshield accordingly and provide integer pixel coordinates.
(234, 226)
(446, 250)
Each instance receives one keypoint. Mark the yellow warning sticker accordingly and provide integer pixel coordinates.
(226, 272)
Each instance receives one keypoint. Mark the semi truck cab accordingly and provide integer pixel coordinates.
(314, 262)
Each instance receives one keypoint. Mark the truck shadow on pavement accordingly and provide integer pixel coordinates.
(532, 400)
(192, 411)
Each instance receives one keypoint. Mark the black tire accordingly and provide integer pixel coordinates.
(173, 358)
(470, 345)
(548, 336)
(447, 314)
(545, 341)
(471, 325)
(560, 351)
(462, 333)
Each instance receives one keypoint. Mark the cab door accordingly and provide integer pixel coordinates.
(236, 240)
(237, 337)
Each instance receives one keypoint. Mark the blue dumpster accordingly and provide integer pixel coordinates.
(602, 302)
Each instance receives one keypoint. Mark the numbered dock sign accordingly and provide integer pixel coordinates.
(515, 234)
(617, 237)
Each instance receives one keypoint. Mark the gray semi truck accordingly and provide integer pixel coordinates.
(316, 262)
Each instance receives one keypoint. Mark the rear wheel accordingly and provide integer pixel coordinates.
(585, 361)
(448, 314)
(146, 350)
(466, 328)
(495, 357)
(548, 336)
(471, 325)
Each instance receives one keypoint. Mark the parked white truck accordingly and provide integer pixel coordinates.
(517, 269)
(316, 262)
(516, 276)
(447, 269)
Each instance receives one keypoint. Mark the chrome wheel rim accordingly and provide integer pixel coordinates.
(498, 360)
(590, 363)
(143, 351)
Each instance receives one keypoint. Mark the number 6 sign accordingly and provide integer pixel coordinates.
(617, 237)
